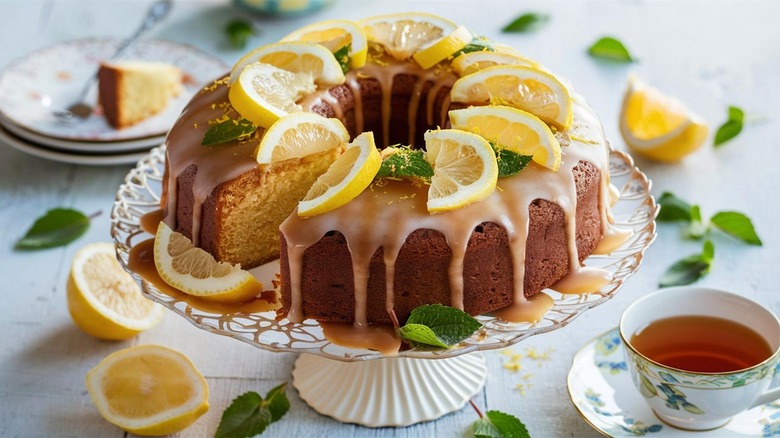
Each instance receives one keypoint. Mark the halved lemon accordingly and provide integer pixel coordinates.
(471, 62)
(298, 135)
(264, 93)
(104, 300)
(464, 169)
(148, 390)
(346, 178)
(294, 56)
(195, 272)
(527, 88)
(658, 126)
(334, 35)
(513, 129)
(405, 34)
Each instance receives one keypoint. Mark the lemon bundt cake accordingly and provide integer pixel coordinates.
(384, 250)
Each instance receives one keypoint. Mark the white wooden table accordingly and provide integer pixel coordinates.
(710, 54)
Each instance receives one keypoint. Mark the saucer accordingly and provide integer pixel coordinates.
(601, 389)
(32, 87)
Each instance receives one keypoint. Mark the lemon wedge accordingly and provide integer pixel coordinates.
(334, 35)
(148, 390)
(298, 135)
(104, 300)
(346, 178)
(513, 129)
(427, 37)
(310, 59)
(527, 88)
(658, 126)
(464, 169)
(472, 62)
(195, 272)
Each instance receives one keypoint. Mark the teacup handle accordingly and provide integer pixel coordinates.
(767, 397)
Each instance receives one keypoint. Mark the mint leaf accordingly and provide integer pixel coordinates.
(404, 162)
(610, 48)
(673, 208)
(342, 56)
(249, 415)
(509, 162)
(57, 227)
(736, 224)
(691, 268)
(448, 324)
(420, 334)
(478, 44)
(228, 130)
(497, 424)
(238, 32)
(697, 227)
(526, 23)
(732, 127)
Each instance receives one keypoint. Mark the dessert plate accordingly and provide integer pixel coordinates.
(51, 78)
(635, 210)
(601, 389)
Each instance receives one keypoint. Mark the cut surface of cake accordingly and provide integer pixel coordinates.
(382, 254)
(132, 91)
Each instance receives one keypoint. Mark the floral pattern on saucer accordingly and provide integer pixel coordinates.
(600, 387)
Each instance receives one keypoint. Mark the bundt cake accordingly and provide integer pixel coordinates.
(383, 254)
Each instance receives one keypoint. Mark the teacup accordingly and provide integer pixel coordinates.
(693, 399)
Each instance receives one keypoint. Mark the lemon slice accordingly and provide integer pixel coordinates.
(658, 126)
(529, 89)
(195, 272)
(104, 300)
(404, 34)
(513, 129)
(264, 93)
(346, 178)
(464, 169)
(298, 135)
(334, 35)
(297, 57)
(471, 62)
(442, 49)
(148, 390)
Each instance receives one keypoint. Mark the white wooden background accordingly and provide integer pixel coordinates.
(709, 53)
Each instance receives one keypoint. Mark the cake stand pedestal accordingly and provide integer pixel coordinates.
(370, 393)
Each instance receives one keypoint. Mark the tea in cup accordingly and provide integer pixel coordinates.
(701, 356)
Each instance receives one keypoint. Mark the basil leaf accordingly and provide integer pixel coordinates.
(509, 162)
(405, 163)
(610, 48)
(249, 415)
(691, 268)
(342, 56)
(57, 227)
(736, 224)
(238, 32)
(420, 334)
(227, 131)
(673, 208)
(449, 324)
(526, 23)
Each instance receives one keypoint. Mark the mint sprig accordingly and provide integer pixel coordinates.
(342, 56)
(404, 162)
(57, 227)
(526, 23)
(691, 268)
(438, 326)
(238, 32)
(732, 127)
(228, 130)
(249, 414)
(496, 424)
(733, 223)
(610, 48)
(509, 162)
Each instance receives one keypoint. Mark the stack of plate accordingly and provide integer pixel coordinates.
(33, 87)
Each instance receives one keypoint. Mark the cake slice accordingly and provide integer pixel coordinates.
(131, 91)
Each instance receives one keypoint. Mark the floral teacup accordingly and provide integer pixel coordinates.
(700, 400)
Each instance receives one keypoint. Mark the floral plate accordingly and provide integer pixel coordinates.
(601, 389)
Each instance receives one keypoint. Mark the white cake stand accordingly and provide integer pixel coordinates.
(362, 386)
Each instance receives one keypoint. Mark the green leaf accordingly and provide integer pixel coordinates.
(420, 334)
(736, 114)
(478, 44)
(732, 127)
(277, 401)
(610, 48)
(708, 251)
(405, 162)
(673, 209)
(697, 228)
(342, 56)
(228, 130)
(526, 23)
(57, 227)
(691, 268)
(510, 163)
(497, 424)
(238, 32)
(450, 325)
(736, 224)
(249, 415)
